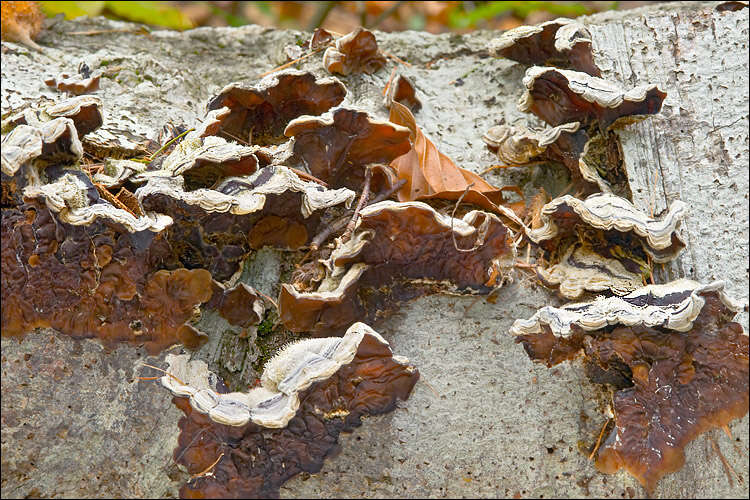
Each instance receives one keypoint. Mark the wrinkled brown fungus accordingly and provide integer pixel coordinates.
(320, 38)
(337, 147)
(402, 90)
(311, 392)
(355, 52)
(560, 96)
(400, 251)
(259, 113)
(685, 365)
(75, 84)
(85, 111)
(563, 43)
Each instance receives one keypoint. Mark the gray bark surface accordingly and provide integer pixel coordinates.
(483, 420)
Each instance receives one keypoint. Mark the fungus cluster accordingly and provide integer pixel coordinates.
(674, 362)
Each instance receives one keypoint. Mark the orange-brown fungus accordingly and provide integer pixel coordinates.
(681, 384)
(93, 281)
(259, 113)
(277, 232)
(74, 84)
(256, 460)
(355, 52)
(337, 149)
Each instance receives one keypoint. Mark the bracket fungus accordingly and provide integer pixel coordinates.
(216, 229)
(337, 146)
(400, 251)
(241, 445)
(259, 113)
(75, 84)
(85, 111)
(355, 52)
(563, 43)
(617, 218)
(560, 96)
(681, 365)
(402, 90)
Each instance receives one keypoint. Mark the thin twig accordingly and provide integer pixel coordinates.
(727, 468)
(170, 142)
(139, 31)
(165, 372)
(318, 240)
(390, 79)
(269, 299)
(599, 440)
(290, 63)
(422, 379)
(360, 205)
(308, 177)
(206, 471)
(453, 217)
(387, 194)
(398, 60)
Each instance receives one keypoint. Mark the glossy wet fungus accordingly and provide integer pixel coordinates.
(355, 52)
(395, 244)
(563, 43)
(682, 362)
(259, 113)
(310, 392)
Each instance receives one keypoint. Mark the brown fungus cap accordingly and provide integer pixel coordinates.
(355, 52)
(259, 113)
(402, 90)
(103, 285)
(336, 148)
(257, 460)
(564, 43)
(675, 382)
(560, 96)
(74, 84)
(85, 111)
(395, 244)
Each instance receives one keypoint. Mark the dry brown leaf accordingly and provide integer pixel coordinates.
(431, 174)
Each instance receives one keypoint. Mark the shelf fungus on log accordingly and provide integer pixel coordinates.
(562, 42)
(246, 445)
(402, 90)
(216, 229)
(617, 221)
(355, 52)
(105, 283)
(75, 84)
(560, 96)
(85, 111)
(259, 113)
(28, 150)
(204, 162)
(337, 146)
(678, 364)
(400, 251)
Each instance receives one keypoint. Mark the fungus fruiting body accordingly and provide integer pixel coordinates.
(310, 392)
(355, 52)
(682, 361)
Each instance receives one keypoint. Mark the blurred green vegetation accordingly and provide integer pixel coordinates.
(341, 16)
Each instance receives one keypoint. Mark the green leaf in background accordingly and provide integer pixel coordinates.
(154, 13)
(460, 18)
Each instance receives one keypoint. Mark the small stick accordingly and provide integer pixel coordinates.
(727, 468)
(165, 372)
(528, 253)
(200, 474)
(598, 441)
(421, 378)
(308, 177)
(290, 63)
(495, 167)
(390, 79)
(360, 205)
(269, 299)
(453, 217)
(387, 194)
(139, 31)
(391, 56)
(169, 142)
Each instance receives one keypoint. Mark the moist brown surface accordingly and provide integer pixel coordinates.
(257, 460)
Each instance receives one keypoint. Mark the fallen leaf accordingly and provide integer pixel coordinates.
(431, 174)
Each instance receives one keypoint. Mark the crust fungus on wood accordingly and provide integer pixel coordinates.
(215, 229)
(617, 218)
(400, 251)
(75, 84)
(562, 42)
(259, 113)
(560, 96)
(337, 146)
(85, 111)
(683, 362)
(402, 90)
(355, 52)
(249, 444)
